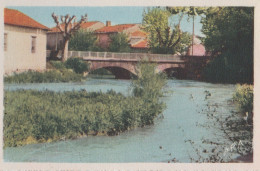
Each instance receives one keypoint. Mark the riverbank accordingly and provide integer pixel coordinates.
(70, 71)
(236, 126)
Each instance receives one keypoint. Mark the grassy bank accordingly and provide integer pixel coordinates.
(44, 77)
(43, 116)
(70, 71)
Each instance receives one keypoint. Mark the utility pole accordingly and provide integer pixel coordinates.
(192, 37)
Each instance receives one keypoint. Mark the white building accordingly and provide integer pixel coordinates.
(24, 43)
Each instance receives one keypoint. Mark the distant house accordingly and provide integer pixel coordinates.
(138, 41)
(197, 49)
(132, 30)
(140, 46)
(24, 42)
(55, 39)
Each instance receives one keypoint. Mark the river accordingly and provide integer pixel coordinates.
(180, 136)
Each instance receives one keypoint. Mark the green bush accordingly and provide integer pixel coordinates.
(149, 87)
(244, 98)
(119, 43)
(78, 65)
(58, 65)
(83, 40)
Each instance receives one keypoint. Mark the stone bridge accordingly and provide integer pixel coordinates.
(123, 65)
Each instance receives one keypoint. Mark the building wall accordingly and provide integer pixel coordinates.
(54, 41)
(18, 55)
(103, 40)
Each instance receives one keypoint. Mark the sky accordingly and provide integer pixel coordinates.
(117, 15)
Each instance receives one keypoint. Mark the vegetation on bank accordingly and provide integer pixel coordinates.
(70, 71)
(44, 116)
(229, 36)
(244, 99)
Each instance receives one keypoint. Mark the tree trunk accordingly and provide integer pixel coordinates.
(65, 51)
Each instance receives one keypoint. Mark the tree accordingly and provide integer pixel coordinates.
(70, 27)
(184, 43)
(119, 43)
(163, 38)
(83, 40)
(229, 36)
(191, 12)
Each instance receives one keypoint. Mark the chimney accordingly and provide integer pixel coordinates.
(108, 23)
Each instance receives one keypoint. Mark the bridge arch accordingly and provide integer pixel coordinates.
(121, 70)
(173, 70)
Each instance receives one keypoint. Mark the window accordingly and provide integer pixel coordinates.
(33, 44)
(5, 42)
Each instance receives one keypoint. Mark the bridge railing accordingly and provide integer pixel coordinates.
(88, 55)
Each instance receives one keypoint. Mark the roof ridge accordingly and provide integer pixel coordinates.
(21, 19)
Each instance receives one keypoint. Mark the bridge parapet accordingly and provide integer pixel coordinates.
(106, 56)
(88, 55)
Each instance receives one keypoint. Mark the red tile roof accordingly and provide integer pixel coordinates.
(116, 28)
(141, 44)
(83, 26)
(17, 18)
(139, 33)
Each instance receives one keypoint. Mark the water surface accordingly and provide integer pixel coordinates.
(178, 135)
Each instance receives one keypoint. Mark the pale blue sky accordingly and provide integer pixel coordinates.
(117, 15)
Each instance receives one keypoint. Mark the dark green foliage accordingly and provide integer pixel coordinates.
(83, 40)
(77, 64)
(119, 43)
(39, 116)
(229, 36)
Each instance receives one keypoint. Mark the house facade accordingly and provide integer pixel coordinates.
(132, 30)
(24, 43)
(138, 42)
(197, 49)
(55, 38)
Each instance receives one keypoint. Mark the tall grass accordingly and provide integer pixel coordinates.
(42, 116)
